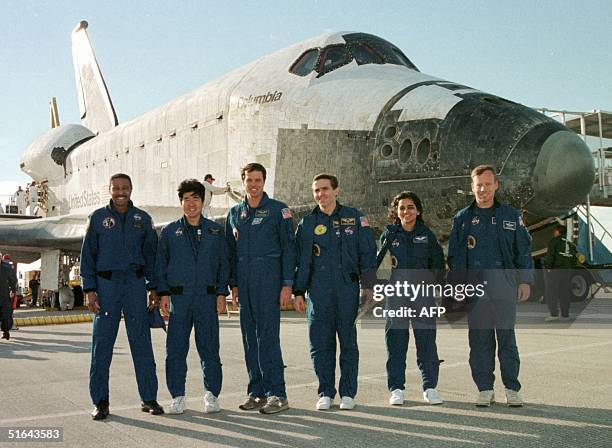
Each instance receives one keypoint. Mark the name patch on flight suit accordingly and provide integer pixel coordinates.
(108, 222)
(420, 239)
(262, 212)
(256, 221)
(471, 242)
(320, 229)
(212, 231)
(316, 250)
(509, 225)
(137, 221)
(347, 221)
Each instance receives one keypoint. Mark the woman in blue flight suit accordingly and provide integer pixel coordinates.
(416, 258)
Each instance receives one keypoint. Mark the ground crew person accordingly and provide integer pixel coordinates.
(210, 191)
(260, 235)
(416, 257)
(8, 284)
(117, 267)
(192, 273)
(336, 250)
(561, 255)
(490, 245)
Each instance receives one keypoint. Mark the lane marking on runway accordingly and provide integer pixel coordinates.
(371, 377)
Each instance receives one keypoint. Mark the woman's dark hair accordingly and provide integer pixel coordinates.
(392, 217)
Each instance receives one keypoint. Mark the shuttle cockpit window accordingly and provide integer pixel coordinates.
(363, 48)
(305, 63)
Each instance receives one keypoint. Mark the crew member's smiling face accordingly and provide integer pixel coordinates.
(121, 191)
(192, 205)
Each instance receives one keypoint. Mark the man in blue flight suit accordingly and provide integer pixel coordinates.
(336, 249)
(489, 244)
(192, 267)
(117, 267)
(260, 235)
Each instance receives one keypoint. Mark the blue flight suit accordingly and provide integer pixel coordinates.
(334, 252)
(416, 257)
(491, 246)
(262, 260)
(118, 262)
(192, 267)
(8, 283)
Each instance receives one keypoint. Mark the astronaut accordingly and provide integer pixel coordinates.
(192, 272)
(260, 235)
(416, 257)
(336, 251)
(490, 245)
(117, 268)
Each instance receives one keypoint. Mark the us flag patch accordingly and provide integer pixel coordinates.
(286, 213)
(364, 221)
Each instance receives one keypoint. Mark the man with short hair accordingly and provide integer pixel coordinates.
(490, 245)
(117, 268)
(210, 190)
(8, 284)
(192, 273)
(260, 235)
(336, 251)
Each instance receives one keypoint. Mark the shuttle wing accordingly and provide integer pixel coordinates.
(25, 240)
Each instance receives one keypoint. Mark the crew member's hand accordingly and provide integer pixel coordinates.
(523, 292)
(299, 304)
(285, 295)
(221, 304)
(164, 305)
(153, 300)
(368, 295)
(235, 300)
(92, 302)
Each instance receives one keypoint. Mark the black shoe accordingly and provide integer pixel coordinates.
(152, 407)
(101, 410)
(6, 335)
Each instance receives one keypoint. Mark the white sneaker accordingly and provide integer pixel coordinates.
(397, 397)
(347, 403)
(432, 396)
(485, 398)
(177, 406)
(324, 403)
(211, 403)
(551, 319)
(513, 398)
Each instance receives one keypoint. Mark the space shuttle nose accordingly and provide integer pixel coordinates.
(563, 175)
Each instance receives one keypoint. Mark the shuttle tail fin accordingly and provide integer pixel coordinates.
(95, 105)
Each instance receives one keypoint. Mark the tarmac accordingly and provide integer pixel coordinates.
(566, 372)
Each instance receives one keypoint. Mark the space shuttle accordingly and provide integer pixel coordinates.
(348, 103)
